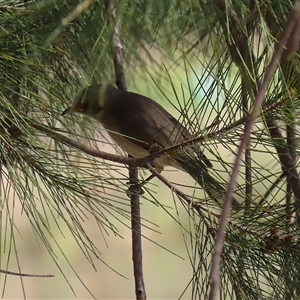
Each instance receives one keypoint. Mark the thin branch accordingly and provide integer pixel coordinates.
(93, 152)
(207, 136)
(243, 57)
(118, 52)
(286, 149)
(136, 232)
(293, 42)
(291, 143)
(197, 206)
(286, 160)
(142, 162)
(25, 275)
(66, 21)
(135, 188)
(248, 159)
(215, 267)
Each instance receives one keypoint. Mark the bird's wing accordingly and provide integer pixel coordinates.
(149, 123)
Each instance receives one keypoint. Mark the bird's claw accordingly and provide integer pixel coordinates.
(134, 189)
(154, 148)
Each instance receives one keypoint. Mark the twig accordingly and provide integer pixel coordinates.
(286, 160)
(243, 57)
(200, 138)
(293, 42)
(118, 52)
(136, 233)
(10, 8)
(197, 206)
(217, 253)
(291, 76)
(66, 21)
(25, 275)
(136, 230)
(248, 160)
(291, 143)
(133, 162)
(93, 152)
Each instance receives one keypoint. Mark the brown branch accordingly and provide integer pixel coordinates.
(198, 207)
(11, 8)
(135, 188)
(286, 160)
(290, 74)
(259, 99)
(207, 136)
(141, 162)
(293, 42)
(136, 233)
(118, 52)
(248, 159)
(291, 143)
(138, 162)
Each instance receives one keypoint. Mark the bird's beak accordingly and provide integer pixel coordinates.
(71, 109)
(66, 111)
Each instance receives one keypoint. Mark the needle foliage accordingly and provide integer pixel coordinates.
(49, 50)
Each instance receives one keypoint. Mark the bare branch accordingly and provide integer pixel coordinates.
(93, 152)
(135, 188)
(215, 268)
(197, 206)
(118, 52)
(286, 160)
(293, 42)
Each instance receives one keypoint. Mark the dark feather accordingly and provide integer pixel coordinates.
(133, 113)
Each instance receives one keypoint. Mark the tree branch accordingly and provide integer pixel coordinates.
(198, 207)
(286, 160)
(135, 188)
(130, 161)
(215, 267)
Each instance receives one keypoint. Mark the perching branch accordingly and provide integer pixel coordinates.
(130, 161)
(136, 228)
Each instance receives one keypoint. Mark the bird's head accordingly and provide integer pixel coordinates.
(90, 101)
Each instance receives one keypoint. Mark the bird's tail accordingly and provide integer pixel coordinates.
(198, 169)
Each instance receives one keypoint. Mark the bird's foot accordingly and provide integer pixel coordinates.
(135, 189)
(153, 149)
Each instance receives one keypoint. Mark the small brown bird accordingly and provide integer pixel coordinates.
(136, 123)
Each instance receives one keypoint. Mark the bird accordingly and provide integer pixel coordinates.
(136, 123)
